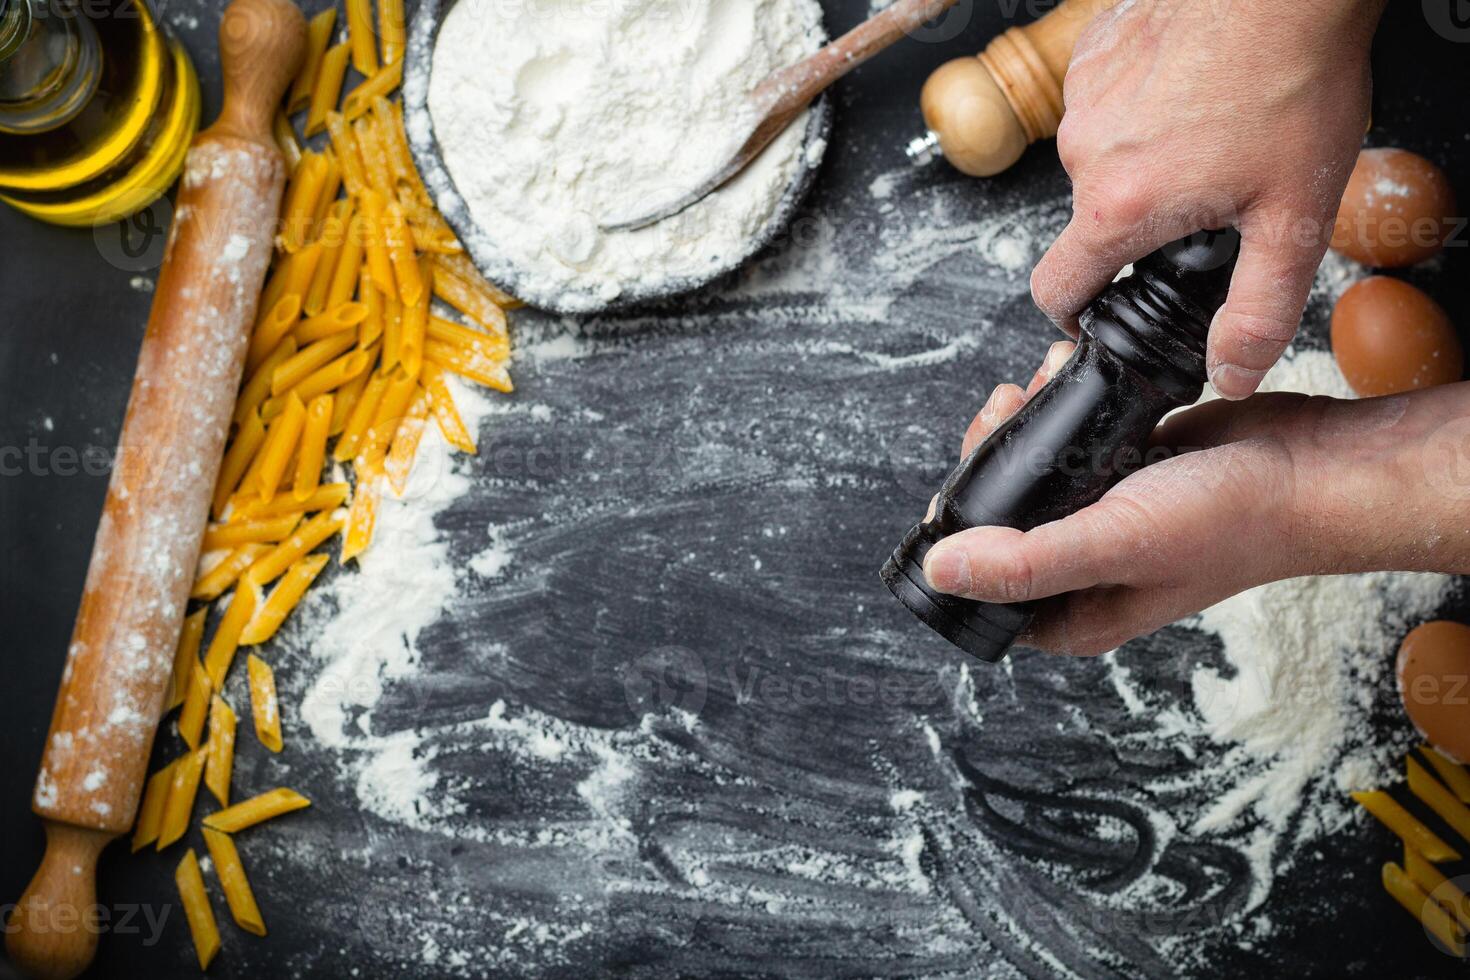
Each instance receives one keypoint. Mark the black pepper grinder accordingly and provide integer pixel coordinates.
(1141, 354)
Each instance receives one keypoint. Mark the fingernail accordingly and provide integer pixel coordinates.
(987, 411)
(1059, 353)
(1234, 382)
(947, 570)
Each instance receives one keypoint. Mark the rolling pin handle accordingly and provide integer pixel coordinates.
(50, 934)
(261, 43)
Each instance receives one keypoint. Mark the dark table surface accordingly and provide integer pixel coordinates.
(786, 439)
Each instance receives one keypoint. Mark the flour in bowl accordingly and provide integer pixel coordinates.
(553, 115)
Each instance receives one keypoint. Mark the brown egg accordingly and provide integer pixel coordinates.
(1389, 337)
(1434, 681)
(1398, 209)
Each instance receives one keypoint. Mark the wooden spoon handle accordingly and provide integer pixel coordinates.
(147, 543)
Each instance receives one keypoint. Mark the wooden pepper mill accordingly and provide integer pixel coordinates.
(983, 111)
(147, 544)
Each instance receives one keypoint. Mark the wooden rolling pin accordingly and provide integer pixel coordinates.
(143, 559)
(983, 111)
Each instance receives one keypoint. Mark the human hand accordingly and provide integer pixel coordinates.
(1272, 487)
(1184, 115)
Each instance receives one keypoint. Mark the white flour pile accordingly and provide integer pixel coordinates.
(553, 116)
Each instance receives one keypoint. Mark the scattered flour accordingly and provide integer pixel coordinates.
(585, 113)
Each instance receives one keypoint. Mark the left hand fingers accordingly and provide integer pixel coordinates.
(1007, 399)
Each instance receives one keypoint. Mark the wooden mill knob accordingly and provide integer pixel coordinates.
(147, 544)
(983, 111)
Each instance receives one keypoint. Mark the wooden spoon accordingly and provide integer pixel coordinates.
(781, 97)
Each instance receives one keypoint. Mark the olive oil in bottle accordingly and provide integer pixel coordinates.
(97, 107)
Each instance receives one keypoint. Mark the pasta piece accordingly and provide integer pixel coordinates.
(376, 85)
(308, 359)
(219, 750)
(1447, 893)
(1406, 825)
(232, 881)
(445, 413)
(325, 497)
(327, 88)
(190, 882)
(213, 583)
(196, 707)
(406, 275)
(361, 417)
(179, 803)
(477, 304)
(280, 443)
(331, 376)
(292, 274)
(274, 324)
(470, 363)
(380, 265)
(399, 463)
(1454, 775)
(302, 190)
(236, 533)
(460, 265)
(226, 639)
(363, 515)
(344, 144)
(327, 199)
(259, 386)
(414, 329)
(1435, 919)
(391, 410)
(372, 324)
(349, 265)
(488, 344)
(263, 704)
(237, 460)
(431, 232)
(375, 167)
(283, 598)
(1439, 799)
(285, 138)
(150, 813)
(395, 143)
(334, 240)
(361, 36)
(391, 29)
(185, 654)
(392, 333)
(343, 316)
(347, 396)
(257, 809)
(273, 565)
(313, 447)
(318, 36)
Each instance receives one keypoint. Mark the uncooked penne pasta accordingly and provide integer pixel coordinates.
(231, 873)
(361, 417)
(349, 158)
(327, 88)
(326, 497)
(213, 583)
(441, 400)
(336, 319)
(257, 809)
(1454, 775)
(331, 184)
(391, 410)
(150, 812)
(399, 463)
(361, 36)
(375, 245)
(1434, 918)
(313, 449)
(460, 265)
(349, 265)
(285, 138)
(1438, 798)
(371, 327)
(475, 303)
(470, 363)
(309, 359)
(375, 85)
(431, 232)
(219, 750)
(489, 344)
(347, 396)
(406, 275)
(190, 882)
(236, 533)
(334, 240)
(375, 167)
(318, 36)
(272, 325)
(243, 447)
(273, 565)
(1413, 833)
(196, 707)
(264, 707)
(283, 598)
(258, 387)
(392, 333)
(395, 143)
(292, 274)
(414, 329)
(185, 654)
(363, 514)
(391, 29)
(334, 374)
(226, 639)
(302, 190)
(179, 804)
(280, 443)
(1437, 886)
